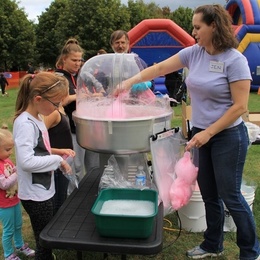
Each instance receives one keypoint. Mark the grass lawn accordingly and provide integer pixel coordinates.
(176, 242)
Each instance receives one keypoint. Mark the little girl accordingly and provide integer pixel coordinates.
(39, 94)
(59, 132)
(10, 208)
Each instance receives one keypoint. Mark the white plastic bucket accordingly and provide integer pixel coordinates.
(192, 216)
(249, 194)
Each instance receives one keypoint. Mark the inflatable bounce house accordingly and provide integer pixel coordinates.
(155, 40)
(246, 21)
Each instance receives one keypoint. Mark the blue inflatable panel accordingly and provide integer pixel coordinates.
(159, 85)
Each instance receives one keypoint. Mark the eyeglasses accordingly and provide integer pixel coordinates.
(116, 43)
(50, 87)
(54, 104)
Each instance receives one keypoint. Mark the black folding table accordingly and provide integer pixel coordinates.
(73, 226)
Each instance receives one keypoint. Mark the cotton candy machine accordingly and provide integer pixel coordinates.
(117, 125)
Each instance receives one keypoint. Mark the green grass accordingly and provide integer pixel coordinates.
(174, 246)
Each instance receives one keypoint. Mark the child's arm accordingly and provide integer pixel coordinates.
(52, 120)
(63, 152)
(7, 182)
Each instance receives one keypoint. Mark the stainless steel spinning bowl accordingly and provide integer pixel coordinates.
(124, 136)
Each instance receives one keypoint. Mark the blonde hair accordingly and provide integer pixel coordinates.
(71, 45)
(45, 84)
(5, 134)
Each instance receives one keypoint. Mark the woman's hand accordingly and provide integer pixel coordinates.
(98, 94)
(123, 87)
(198, 140)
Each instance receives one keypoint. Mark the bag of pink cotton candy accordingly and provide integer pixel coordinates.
(183, 184)
(166, 150)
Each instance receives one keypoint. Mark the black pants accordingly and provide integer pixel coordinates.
(61, 188)
(3, 89)
(40, 213)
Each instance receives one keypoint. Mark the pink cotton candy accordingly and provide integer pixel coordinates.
(180, 193)
(117, 109)
(182, 187)
(147, 96)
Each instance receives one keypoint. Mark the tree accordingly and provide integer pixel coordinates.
(183, 17)
(17, 38)
(139, 11)
(47, 44)
(91, 25)
(166, 11)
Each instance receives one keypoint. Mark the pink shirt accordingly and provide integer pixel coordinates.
(8, 178)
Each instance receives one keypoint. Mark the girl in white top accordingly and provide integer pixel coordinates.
(39, 94)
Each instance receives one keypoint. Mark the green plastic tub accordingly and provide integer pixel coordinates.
(125, 226)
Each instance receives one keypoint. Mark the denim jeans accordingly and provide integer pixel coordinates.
(221, 163)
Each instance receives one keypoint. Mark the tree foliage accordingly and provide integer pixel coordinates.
(139, 11)
(93, 25)
(17, 37)
(183, 17)
(47, 44)
(91, 22)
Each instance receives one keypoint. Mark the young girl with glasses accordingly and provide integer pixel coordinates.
(38, 95)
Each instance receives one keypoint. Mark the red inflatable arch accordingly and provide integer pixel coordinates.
(157, 39)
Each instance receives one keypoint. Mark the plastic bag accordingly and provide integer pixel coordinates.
(167, 148)
(253, 131)
(72, 177)
(112, 176)
(122, 173)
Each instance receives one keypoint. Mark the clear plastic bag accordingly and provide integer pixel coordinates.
(167, 149)
(253, 131)
(121, 172)
(72, 177)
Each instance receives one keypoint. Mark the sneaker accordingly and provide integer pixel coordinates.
(26, 250)
(13, 257)
(199, 253)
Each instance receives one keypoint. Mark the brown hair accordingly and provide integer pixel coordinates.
(71, 45)
(117, 35)
(101, 51)
(46, 84)
(223, 36)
